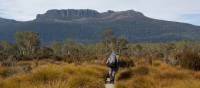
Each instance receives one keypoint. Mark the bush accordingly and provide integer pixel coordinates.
(189, 59)
(126, 62)
(124, 74)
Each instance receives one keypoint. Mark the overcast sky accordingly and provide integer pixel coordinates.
(173, 10)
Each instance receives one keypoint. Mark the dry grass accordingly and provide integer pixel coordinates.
(58, 76)
(8, 71)
(47, 75)
(196, 75)
(81, 81)
(157, 76)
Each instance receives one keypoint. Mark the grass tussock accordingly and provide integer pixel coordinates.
(196, 75)
(8, 71)
(157, 76)
(85, 82)
(58, 76)
(124, 74)
(46, 73)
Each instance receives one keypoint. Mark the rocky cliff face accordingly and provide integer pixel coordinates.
(68, 14)
(72, 15)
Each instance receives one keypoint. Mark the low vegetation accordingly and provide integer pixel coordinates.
(70, 64)
(57, 76)
(157, 76)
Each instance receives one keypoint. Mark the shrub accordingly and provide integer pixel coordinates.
(124, 74)
(189, 59)
(126, 62)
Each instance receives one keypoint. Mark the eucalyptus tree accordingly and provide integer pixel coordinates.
(27, 43)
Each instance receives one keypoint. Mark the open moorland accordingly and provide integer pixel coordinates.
(70, 64)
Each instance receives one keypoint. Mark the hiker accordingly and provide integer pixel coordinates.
(113, 64)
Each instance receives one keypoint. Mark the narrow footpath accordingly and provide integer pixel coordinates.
(109, 85)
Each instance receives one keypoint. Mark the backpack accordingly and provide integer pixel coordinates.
(112, 62)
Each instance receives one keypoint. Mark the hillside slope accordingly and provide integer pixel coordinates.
(87, 25)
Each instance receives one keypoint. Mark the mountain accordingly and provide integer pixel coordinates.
(86, 25)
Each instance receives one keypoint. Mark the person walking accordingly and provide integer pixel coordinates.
(113, 64)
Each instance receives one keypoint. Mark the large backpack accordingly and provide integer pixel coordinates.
(112, 61)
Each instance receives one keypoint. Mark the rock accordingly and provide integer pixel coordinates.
(82, 14)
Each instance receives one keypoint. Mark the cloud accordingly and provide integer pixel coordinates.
(173, 10)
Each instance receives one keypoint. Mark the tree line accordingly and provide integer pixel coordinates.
(28, 47)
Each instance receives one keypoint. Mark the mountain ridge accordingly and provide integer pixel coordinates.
(86, 25)
(72, 15)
